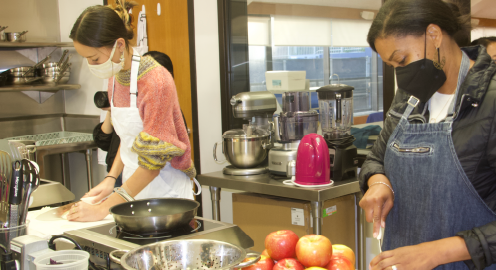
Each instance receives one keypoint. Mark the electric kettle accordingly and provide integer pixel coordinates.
(313, 164)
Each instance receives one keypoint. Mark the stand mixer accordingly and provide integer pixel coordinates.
(246, 149)
(336, 118)
(295, 121)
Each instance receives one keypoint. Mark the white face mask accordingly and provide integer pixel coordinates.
(107, 69)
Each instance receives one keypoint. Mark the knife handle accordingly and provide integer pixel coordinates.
(15, 195)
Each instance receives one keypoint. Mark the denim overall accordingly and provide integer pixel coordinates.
(434, 199)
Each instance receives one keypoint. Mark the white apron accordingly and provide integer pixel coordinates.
(171, 183)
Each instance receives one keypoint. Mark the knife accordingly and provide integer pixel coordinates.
(15, 194)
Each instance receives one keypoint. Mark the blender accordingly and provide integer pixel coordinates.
(295, 121)
(336, 118)
(246, 149)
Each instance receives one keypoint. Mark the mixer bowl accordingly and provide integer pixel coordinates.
(244, 151)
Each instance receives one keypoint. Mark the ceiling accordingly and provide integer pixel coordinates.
(480, 8)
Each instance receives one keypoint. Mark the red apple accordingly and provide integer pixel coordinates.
(340, 263)
(281, 244)
(288, 264)
(314, 250)
(344, 251)
(265, 253)
(265, 263)
(315, 268)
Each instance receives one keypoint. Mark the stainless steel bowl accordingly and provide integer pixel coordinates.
(244, 151)
(185, 254)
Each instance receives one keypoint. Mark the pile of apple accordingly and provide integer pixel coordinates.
(284, 250)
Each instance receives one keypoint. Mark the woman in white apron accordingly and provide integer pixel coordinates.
(155, 154)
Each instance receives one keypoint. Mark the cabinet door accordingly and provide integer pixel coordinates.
(168, 33)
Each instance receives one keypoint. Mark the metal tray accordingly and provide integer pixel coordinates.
(62, 137)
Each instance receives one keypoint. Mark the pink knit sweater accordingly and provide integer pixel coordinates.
(164, 137)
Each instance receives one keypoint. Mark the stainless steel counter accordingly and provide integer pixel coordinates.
(273, 185)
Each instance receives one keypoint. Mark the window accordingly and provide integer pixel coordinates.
(357, 66)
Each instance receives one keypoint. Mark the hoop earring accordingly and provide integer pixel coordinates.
(440, 63)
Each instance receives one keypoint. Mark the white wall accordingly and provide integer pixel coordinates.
(208, 90)
(80, 101)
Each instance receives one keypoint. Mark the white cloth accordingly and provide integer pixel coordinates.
(142, 39)
(128, 124)
(438, 107)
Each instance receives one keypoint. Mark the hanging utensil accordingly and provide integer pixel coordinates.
(5, 174)
(62, 58)
(32, 180)
(15, 193)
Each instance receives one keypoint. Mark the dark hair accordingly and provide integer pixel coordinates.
(101, 26)
(484, 41)
(407, 17)
(162, 59)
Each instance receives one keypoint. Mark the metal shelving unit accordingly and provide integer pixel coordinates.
(41, 87)
(34, 44)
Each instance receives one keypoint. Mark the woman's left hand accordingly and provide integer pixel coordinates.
(422, 256)
(82, 211)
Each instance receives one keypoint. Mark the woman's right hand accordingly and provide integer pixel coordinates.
(377, 202)
(102, 190)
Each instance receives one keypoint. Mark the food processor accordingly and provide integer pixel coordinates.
(295, 121)
(246, 149)
(336, 118)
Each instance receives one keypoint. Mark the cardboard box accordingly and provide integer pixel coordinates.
(258, 215)
(285, 80)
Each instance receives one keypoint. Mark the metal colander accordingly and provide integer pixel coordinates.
(185, 254)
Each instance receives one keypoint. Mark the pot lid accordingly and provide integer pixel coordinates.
(240, 133)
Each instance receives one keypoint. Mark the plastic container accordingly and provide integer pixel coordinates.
(70, 259)
(7, 234)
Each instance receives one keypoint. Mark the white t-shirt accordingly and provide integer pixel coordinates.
(438, 107)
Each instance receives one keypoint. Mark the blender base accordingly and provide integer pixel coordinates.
(231, 170)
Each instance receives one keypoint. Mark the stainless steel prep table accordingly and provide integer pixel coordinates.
(265, 184)
(83, 147)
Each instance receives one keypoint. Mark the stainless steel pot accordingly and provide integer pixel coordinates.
(52, 77)
(23, 80)
(16, 36)
(185, 254)
(154, 215)
(2, 33)
(244, 151)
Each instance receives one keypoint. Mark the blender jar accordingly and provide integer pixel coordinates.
(336, 110)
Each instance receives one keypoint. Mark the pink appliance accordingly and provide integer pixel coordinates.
(313, 166)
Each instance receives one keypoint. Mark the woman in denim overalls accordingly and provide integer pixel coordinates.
(429, 180)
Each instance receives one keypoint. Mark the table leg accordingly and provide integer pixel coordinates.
(360, 233)
(317, 217)
(62, 164)
(89, 157)
(215, 196)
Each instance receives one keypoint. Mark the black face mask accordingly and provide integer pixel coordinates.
(421, 78)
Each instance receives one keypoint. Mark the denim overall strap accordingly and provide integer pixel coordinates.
(434, 199)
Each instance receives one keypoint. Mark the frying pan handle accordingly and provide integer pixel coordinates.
(115, 259)
(248, 263)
